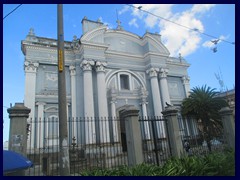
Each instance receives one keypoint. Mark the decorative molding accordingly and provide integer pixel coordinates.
(117, 53)
(134, 37)
(143, 94)
(40, 103)
(152, 72)
(93, 45)
(86, 65)
(45, 48)
(185, 79)
(93, 33)
(100, 66)
(50, 82)
(30, 67)
(163, 73)
(72, 70)
(137, 76)
(75, 43)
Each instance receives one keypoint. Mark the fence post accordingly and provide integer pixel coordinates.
(170, 113)
(18, 130)
(228, 125)
(133, 135)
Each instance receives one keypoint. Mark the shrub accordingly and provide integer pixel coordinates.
(215, 164)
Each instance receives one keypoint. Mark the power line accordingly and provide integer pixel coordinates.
(12, 11)
(192, 29)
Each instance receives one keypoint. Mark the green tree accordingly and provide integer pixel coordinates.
(204, 104)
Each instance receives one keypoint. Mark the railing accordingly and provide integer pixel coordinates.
(155, 140)
(197, 145)
(101, 149)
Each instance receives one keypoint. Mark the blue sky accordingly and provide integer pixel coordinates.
(215, 20)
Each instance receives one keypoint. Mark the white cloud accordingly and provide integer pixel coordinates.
(133, 23)
(201, 8)
(125, 9)
(151, 21)
(162, 10)
(179, 39)
(176, 38)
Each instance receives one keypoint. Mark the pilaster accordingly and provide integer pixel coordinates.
(102, 101)
(40, 124)
(72, 70)
(113, 101)
(156, 99)
(186, 85)
(30, 69)
(164, 87)
(90, 132)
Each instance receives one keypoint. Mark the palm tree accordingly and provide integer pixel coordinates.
(203, 104)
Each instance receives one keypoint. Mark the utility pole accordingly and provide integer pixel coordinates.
(62, 108)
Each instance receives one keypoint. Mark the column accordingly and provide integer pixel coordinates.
(186, 85)
(88, 101)
(113, 114)
(228, 125)
(164, 87)
(102, 102)
(18, 135)
(133, 135)
(175, 140)
(144, 94)
(30, 69)
(72, 70)
(68, 123)
(156, 100)
(40, 125)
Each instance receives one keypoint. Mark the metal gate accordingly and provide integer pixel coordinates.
(155, 140)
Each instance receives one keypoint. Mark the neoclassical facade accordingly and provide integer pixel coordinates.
(105, 70)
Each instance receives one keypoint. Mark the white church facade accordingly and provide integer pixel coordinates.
(105, 70)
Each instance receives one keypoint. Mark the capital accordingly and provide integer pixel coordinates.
(72, 70)
(163, 73)
(40, 103)
(86, 65)
(30, 66)
(185, 79)
(100, 66)
(144, 101)
(152, 72)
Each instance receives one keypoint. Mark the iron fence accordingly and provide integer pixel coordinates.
(101, 143)
(93, 143)
(155, 140)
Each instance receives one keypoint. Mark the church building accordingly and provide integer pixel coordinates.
(105, 70)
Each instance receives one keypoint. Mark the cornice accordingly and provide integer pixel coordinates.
(93, 45)
(177, 63)
(47, 48)
(123, 32)
(147, 35)
(154, 54)
(117, 53)
(93, 33)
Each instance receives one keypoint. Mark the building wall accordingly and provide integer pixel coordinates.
(122, 53)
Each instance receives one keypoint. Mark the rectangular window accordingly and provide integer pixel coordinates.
(124, 80)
